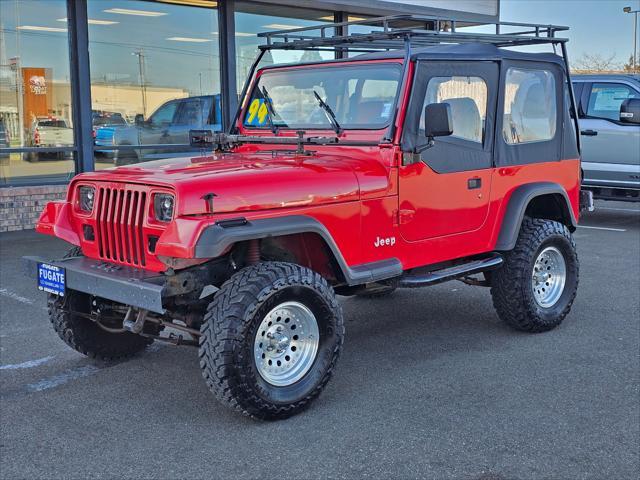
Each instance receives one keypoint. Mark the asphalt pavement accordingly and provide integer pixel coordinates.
(430, 385)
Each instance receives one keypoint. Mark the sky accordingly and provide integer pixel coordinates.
(170, 59)
(596, 26)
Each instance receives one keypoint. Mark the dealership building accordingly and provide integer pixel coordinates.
(89, 84)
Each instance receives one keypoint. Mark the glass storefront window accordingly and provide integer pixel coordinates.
(155, 75)
(35, 93)
(251, 19)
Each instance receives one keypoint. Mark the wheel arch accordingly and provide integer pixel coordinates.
(537, 200)
(287, 232)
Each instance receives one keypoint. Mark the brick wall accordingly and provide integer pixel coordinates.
(20, 207)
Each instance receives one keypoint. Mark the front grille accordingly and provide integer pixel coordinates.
(119, 219)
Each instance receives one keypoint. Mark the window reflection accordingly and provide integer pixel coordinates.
(155, 75)
(35, 94)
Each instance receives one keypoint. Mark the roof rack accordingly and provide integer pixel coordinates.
(392, 32)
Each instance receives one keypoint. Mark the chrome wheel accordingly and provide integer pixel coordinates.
(286, 344)
(548, 277)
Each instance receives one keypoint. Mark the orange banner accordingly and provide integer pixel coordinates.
(37, 91)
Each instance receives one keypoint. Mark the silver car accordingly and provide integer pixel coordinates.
(610, 134)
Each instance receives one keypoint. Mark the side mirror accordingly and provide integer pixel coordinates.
(138, 119)
(630, 111)
(437, 123)
(437, 120)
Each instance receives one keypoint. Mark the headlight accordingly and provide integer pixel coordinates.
(163, 207)
(86, 197)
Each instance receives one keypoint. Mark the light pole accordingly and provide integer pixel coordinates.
(635, 35)
(143, 85)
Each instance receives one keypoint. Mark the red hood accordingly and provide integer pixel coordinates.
(245, 182)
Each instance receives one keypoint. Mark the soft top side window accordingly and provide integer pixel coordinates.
(467, 97)
(530, 110)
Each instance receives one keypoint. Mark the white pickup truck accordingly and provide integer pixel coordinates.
(49, 132)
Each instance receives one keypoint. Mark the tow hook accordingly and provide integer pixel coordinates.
(138, 325)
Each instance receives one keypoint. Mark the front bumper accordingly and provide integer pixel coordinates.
(119, 283)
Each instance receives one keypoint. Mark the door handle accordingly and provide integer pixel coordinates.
(474, 183)
(588, 133)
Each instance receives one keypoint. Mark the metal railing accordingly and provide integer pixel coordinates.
(391, 32)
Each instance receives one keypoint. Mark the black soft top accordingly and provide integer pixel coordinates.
(465, 51)
(416, 37)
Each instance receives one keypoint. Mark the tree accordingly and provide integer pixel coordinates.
(595, 62)
(629, 67)
(310, 56)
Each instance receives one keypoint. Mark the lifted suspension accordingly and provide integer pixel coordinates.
(136, 326)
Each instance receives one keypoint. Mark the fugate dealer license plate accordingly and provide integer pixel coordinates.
(51, 279)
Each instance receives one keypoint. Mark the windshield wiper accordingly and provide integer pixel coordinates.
(270, 111)
(330, 115)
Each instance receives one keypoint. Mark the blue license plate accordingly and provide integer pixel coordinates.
(51, 279)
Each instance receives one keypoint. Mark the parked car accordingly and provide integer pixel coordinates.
(101, 118)
(49, 132)
(169, 124)
(396, 169)
(4, 142)
(609, 115)
(103, 123)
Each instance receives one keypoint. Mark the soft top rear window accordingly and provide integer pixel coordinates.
(360, 96)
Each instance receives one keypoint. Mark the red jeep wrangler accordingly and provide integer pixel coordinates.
(405, 167)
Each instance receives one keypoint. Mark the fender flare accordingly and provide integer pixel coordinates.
(217, 238)
(518, 203)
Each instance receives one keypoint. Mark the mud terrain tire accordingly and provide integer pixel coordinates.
(85, 336)
(234, 326)
(512, 286)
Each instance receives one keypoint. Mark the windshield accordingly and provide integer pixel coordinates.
(358, 97)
